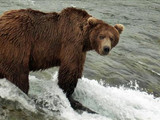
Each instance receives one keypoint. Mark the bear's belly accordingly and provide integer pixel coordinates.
(43, 64)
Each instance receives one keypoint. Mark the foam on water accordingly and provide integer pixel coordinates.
(54, 102)
(11, 92)
(111, 103)
(118, 103)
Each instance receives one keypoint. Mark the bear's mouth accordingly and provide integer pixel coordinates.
(103, 53)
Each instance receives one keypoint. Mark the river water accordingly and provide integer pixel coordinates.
(125, 85)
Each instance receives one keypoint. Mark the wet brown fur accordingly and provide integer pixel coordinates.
(31, 40)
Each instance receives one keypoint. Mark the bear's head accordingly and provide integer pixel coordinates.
(103, 37)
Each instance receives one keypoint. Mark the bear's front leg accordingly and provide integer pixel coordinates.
(69, 72)
(67, 80)
(72, 59)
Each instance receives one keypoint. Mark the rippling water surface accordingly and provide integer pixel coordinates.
(125, 85)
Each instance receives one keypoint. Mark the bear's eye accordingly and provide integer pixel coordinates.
(111, 39)
(101, 37)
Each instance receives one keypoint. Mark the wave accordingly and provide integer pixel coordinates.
(111, 103)
(27, 2)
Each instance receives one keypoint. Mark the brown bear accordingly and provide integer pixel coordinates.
(31, 40)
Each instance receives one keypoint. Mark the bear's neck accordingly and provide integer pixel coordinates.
(87, 45)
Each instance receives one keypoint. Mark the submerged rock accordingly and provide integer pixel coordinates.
(13, 110)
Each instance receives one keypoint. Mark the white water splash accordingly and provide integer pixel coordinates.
(111, 103)
(118, 103)
(55, 100)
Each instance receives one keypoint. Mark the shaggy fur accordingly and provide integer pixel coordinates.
(31, 40)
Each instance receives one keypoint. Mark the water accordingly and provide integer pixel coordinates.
(124, 85)
(111, 103)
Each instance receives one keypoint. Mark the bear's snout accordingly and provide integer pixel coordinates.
(106, 50)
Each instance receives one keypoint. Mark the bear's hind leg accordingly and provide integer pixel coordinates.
(1, 76)
(20, 79)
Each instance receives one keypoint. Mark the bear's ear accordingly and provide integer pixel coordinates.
(119, 27)
(92, 21)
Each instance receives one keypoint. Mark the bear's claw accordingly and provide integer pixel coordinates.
(78, 106)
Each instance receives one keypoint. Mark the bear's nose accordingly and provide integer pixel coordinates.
(106, 49)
